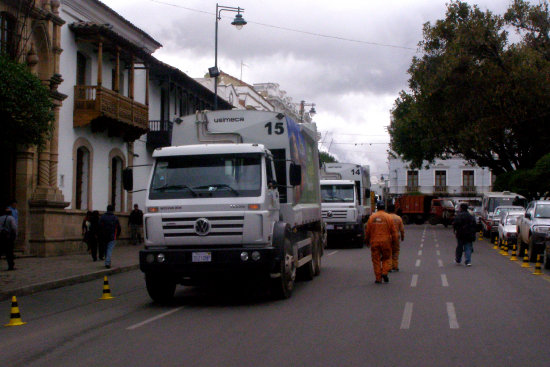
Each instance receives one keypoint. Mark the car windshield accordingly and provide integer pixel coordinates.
(337, 193)
(447, 203)
(512, 219)
(542, 211)
(220, 175)
(504, 201)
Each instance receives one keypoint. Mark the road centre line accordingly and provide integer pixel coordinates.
(440, 263)
(140, 324)
(438, 253)
(420, 253)
(421, 245)
(417, 263)
(453, 322)
(444, 281)
(414, 280)
(407, 315)
(437, 245)
(332, 253)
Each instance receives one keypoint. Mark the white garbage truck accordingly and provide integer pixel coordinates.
(236, 195)
(346, 199)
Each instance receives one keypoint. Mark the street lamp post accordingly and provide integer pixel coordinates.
(238, 22)
(312, 111)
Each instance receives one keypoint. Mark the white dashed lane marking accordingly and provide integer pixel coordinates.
(453, 322)
(135, 326)
(417, 263)
(444, 281)
(414, 280)
(407, 315)
(440, 263)
(420, 253)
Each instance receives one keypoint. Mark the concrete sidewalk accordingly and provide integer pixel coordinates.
(35, 274)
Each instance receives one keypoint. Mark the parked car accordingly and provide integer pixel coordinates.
(507, 227)
(533, 228)
(497, 215)
(476, 210)
(547, 252)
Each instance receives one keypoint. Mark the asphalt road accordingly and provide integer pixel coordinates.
(432, 313)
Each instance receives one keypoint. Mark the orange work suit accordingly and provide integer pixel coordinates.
(395, 248)
(380, 235)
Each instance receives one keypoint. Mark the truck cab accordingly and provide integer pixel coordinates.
(341, 209)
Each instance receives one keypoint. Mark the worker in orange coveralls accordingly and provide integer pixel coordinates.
(380, 235)
(400, 231)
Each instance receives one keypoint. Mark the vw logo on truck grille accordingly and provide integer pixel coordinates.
(329, 214)
(202, 226)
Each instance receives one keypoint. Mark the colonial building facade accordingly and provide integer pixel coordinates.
(114, 103)
(452, 177)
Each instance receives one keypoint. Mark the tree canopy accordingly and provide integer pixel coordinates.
(476, 95)
(25, 106)
(325, 157)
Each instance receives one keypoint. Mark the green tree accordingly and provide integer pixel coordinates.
(25, 106)
(529, 182)
(475, 95)
(325, 157)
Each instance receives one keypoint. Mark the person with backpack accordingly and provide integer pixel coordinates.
(464, 226)
(8, 233)
(109, 229)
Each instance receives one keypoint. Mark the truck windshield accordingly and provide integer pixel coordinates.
(542, 211)
(337, 193)
(220, 175)
(496, 202)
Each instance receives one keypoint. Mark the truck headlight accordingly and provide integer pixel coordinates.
(150, 258)
(255, 255)
(161, 258)
(244, 256)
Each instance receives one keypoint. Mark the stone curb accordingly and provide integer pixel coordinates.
(35, 288)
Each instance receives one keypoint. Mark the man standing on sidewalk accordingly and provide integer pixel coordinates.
(380, 235)
(400, 228)
(136, 223)
(464, 226)
(8, 233)
(109, 229)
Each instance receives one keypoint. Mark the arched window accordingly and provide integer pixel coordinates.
(7, 34)
(82, 178)
(116, 191)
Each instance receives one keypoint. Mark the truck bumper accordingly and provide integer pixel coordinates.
(208, 263)
(348, 229)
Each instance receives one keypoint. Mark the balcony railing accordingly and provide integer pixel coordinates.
(440, 189)
(91, 102)
(411, 188)
(468, 190)
(159, 134)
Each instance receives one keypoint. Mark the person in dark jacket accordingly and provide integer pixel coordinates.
(464, 226)
(93, 235)
(8, 227)
(135, 222)
(109, 229)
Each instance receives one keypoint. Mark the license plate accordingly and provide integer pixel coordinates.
(330, 226)
(202, 257)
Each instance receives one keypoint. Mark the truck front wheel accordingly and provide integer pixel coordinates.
(160, 288)
(283, 285)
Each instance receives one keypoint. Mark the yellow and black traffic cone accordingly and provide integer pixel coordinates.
(481, 235)
(505, 248)
(106, 289)
(513, 257)
(525, 263)
(495, 247)
(15, 315)
(538, 267)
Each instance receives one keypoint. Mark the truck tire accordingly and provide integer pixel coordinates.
(406, 219)
(282, 286)
(307, 271)
(433, 220)
(160, 288)
(317, 253)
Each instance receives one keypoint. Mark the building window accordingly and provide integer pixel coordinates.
(80, 69)
(412, 178)
(7, 36)
(116, 183)
(440, 178)
(82, 178)
(468, 178)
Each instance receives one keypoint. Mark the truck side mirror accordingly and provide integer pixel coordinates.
(528, 215)
(128, 179)
(295, 174)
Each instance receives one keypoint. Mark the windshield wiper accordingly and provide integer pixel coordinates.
(173, 187)
(218, 186)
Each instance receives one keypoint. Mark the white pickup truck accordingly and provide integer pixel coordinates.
(533, 228)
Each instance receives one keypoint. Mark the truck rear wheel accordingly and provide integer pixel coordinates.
(283, 285)
(160, 288)
(406, 219)
(433, 220)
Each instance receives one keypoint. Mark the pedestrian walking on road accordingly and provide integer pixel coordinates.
(86, 229)
(400, 228)
(93, 236)
(109, 229)
(380, 235)
(464, 226)
(8, 234)
(135, 222)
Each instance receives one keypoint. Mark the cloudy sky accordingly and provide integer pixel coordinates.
(349, 57)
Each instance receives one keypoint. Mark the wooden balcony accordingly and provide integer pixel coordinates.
(124, 115)
(160, 134)
(469, 190)
(411, 188)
